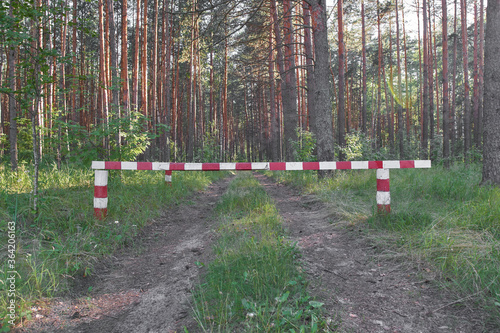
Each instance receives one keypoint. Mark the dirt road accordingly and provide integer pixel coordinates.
(146, 288)
(369, 289)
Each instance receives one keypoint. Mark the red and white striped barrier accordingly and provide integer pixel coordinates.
(273, 166)
(101, 194)
(168, 177)
(383, 194)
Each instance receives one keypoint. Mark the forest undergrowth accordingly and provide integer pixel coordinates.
(440, 216)
(65, 240)
(255, 282)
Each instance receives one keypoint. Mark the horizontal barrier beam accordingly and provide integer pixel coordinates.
(273, 166)
(382, 167)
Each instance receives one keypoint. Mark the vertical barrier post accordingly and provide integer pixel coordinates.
(383, 193)
(101, 194)
(168, 177)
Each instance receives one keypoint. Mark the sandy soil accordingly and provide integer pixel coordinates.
(146, 288)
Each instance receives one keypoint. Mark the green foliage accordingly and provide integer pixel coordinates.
(64, 239)
(210, 151)
(359, 148)
(88, 144)
(304, 146)
(254, 284)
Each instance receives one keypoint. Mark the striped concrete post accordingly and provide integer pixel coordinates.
(383, 194)
(101, 194)
(168, 177)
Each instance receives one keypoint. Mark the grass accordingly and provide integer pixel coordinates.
(65, 239)
(255, 283)
(441, 216)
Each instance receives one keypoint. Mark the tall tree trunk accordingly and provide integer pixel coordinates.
(281, 69)
(363, 52)
(154, 73)
(465, 62)
(166, 87)
(438, 124)
(135, 66)
(308, 55)
(446, 103)
(11, 59)
(144, 63)
(321, 113)
(224, 100)
(114, 66)
(407, 90)
(289, 86)
(34, 106)
(481, 71)
(124, 61)
(274, 136)
(453, 85)
(430, 58)
(400, 129)
(341, 98)
(379, 78)
(475, 95)
(74, 78)
(62, 97)
(426, 94)
(491, 164)
(389, 99)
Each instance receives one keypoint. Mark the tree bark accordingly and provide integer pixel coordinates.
(144, 62)
(62, 101)
(11, 59)
(363, 51)
(341, 98)
(135, 66)
(446, 103)
(400, 129)
(274, 136)
(491, 164)
(321, 113)
(124, 61)
(465, 63)
(289, 87)
(114, 66)
(475, 90)
(453, 84)
(481, 71)
(281, 69)
(378, 141)
(426, 94)
(430, 59)
(154, 74)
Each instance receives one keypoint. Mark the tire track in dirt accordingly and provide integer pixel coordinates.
(144, 288)
(366, 289)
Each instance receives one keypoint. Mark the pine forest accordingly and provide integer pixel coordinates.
(196, 80)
